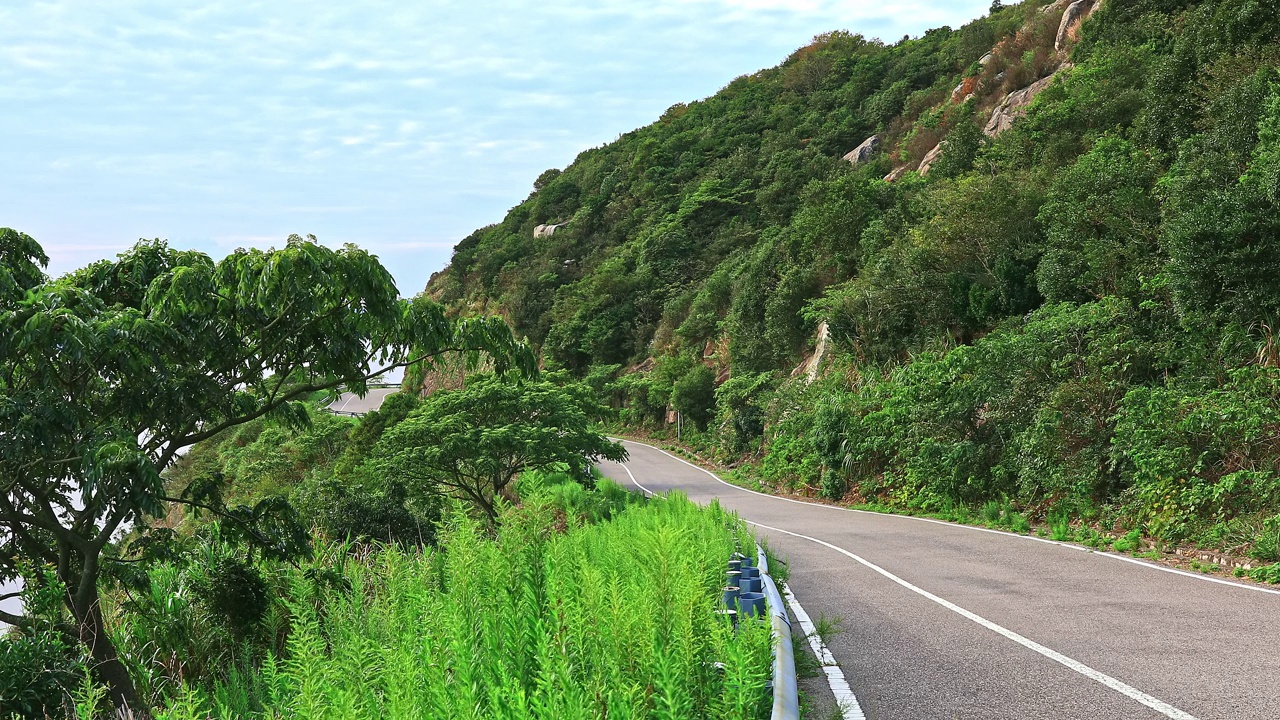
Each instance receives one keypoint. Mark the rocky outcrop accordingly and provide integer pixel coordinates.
(897, 173)
(546, 230)
(1072, 18)
(812, 364)
(863, 152)
(964, 90)
(1014, 105)
(930, 158)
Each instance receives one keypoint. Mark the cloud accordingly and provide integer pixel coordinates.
(222, 122)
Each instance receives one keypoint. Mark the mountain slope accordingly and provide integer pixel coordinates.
(1052, 279)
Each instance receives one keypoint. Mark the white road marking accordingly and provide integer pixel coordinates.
(1129, 691)
(1078, 548)
(646, 490)
(846, 701)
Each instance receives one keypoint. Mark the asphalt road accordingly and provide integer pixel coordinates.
(946, 621)
(352, 403)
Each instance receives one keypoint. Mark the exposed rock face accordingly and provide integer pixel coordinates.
(930, 158)
(546, 230)
(809, 367)
(964, 90)
(1014, 105)
(1074, 16)
(863, 152)
(897, 174)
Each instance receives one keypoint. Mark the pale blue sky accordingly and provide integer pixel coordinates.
(400, 126)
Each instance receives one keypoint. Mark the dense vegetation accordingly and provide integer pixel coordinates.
(477, 625)
(408, 579)
(1075, 317)
(111, 371)
(493, 627)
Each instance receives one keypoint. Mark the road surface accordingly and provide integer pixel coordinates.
(352, 404)
(946, 621)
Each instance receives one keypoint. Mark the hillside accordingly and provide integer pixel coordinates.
(1039, 254)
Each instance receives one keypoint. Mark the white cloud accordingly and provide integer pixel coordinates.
(218, 120)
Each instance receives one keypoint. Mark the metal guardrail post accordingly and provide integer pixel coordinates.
(786, 696)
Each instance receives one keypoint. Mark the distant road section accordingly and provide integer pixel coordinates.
(351, 404)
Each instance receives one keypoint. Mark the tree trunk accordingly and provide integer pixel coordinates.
(107, 664)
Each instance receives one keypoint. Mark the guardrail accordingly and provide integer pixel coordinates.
(755, 594)
(786, 696)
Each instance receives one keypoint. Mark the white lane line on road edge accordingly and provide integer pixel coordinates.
(1097, 553)
(1127, 690)
(647, 491)
(846, 701)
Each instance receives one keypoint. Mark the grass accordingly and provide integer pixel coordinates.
(553, 618)
(1205, 567)
(1128, 542)
(1266, 574)
(827, 628)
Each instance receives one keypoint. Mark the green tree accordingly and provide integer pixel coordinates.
(694, 395)
(475, 440)
(1222, 228)
(112, 370)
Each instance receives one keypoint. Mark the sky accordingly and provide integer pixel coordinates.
(399, 126)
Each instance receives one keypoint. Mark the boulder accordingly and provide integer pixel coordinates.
(546, 230)
(1014, 105)
(1072, 18)
(897, 173)
(964, 90)
(863, 152)
(930, 158)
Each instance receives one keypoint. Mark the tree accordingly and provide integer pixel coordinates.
(474, 441)
(110, 371)
(694, 395)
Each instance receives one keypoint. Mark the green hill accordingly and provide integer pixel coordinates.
(1053, 284)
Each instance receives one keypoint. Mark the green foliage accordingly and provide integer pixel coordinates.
(1101, 222)
(474, 441)
(238, 593)
(1197, 454)
(1221, 230)
(1267, 544)
(40, 667)
(694, 395)
(1128, 543)
(112, 370)
(510, 624)
(1266, 574)
(563, 492)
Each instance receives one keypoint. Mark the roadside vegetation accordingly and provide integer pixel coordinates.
(196, 537)
(1067, 322)
(481, 625)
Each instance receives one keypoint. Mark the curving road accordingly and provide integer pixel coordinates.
(351, 404)
(947, 621)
